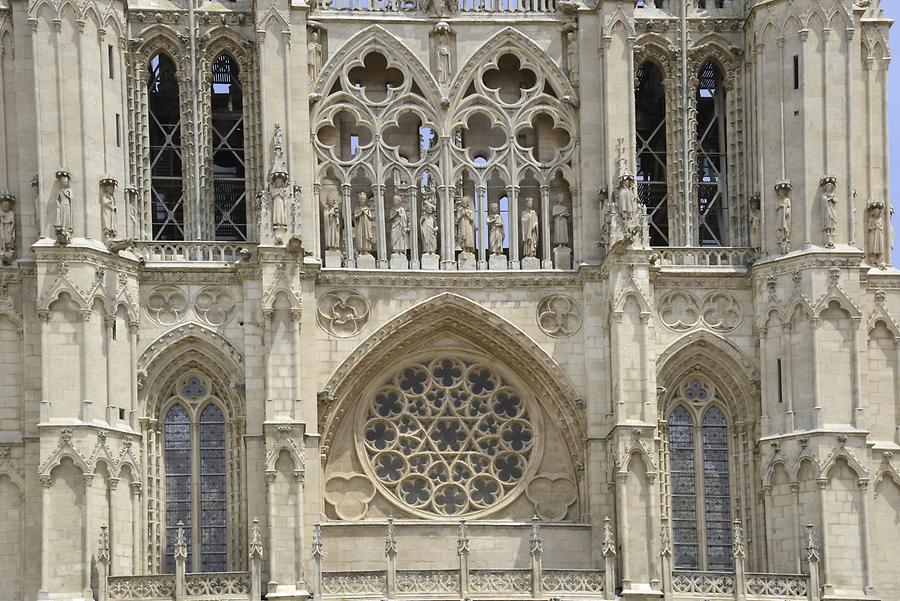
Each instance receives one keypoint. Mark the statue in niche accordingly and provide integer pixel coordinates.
(7, 228)
(495, 229)
(875, 234)
(444, 59)
(399, 227)
(64, 201)
(314, 56)
(560, 222)
(428, 228)
(364, 225)
(625, 202)
(465, 226)
(332, 224)
(572, 55)
(530, 231)
(829, 209)
(279, 199)
(783, 219)
(108, 207)
(755, 228)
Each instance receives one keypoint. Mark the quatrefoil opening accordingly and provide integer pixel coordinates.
(374, 78)
(481, 138)
(350, 495)
(543, 138)
(345, 136)
(509, 80)
(409, 137)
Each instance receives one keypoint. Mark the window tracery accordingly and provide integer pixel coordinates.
(697, 431)
(710, 163)
(449, 437)
(166, 184)
(503, 135)
(652, 155)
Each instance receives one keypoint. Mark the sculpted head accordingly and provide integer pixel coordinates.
(465, 202)
(495, 208)
(529, 202)
(397, 201)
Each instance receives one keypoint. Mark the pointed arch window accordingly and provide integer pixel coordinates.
(164, 128)
(700, 484)
(228, 157)
(652, 158)
(194, 443)
(710, 174)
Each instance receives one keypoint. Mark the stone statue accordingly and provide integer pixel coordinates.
(428, 228)
(829, 209)
(465, 226)
(530, 231)
(108, 207)
(314, 56)
(279, 200)
(572, 55)
(783, 221)
(7, 227)
(875, 234)
(64, 201)
(625, 202)
(399, 227)
(332, 224)
(444, 67)
(495, 229)
(755, 228)
(364, 226)
(560, 222)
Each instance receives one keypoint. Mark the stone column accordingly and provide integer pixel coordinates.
(270, 524)
(46, 484)
(787, 380)
(180, 562)
(86, 414)
(86, 537)
(350, 261)
(133, 327)
(609, 560)
(255, 556)
(137, 566)
(857, 420)
(812, 563)
(462, 550)
(318, 554)
(665, 554)
(102, 563)
(821, 484)
(109, 322)
(390, 551)
(814, 323)
(740, 576)
(512, 192)
(537, 551)
(547, 256)
(380, 228)
(865, 537)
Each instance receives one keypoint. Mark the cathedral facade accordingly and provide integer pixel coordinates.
(447, 299)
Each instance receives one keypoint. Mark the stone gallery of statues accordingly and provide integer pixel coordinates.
(447, 300)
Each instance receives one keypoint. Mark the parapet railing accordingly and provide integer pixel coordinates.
(738, 257)
(462, 6)
(464, 582)
(727, 585)
(193, 251)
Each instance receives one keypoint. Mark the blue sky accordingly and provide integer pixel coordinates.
(892, 8)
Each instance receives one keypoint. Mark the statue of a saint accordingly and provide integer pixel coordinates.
(875, 234)
(364, 226)
(495, 230)
(444, 68)
(560, 222)
(399, 227)
(755, 228)
(625, 200)
(530, 231)
(332, 224)
(783, 219)
(428, 228)
(465, 226)
(279, 200)
(7, 226)
(64, 201)
(572, 55)
(108, 208)
(314, 56)
(829, 210)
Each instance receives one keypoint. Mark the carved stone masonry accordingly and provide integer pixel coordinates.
(829, 209)
(783, 220)
(108, 208)
(63, 225)
(875, 234)
(7, 228)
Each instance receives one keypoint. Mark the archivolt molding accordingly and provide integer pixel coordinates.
(729, 369)
(835, 292)
(282, 284)
(485, 330)
(286, 441)
(628, 448)
(793, 466)
(190, 331)
(881, 314)
(88, 463)
(657, 49)
(847, 454)
(887, 470)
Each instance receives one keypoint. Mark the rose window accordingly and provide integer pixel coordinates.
(449, 437)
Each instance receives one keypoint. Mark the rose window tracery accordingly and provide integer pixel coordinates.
(449, 437)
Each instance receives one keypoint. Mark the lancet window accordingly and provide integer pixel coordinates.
(164, 124)
(699, 477)
(195, 453)
(406, 180)
(652, 156)
(228, 164)
(710, 161)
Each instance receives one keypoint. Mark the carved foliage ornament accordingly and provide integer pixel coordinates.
(342, 313)
(682, 311)
(558, 315)
(450, 437)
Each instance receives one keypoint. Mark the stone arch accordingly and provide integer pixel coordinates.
(840, 455)
(656, 49)
(160, 39)
(452, 314)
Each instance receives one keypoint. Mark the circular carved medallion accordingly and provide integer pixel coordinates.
(214, 305)
(558, 315)
(167, 305)
(449, 437)
(342, 313)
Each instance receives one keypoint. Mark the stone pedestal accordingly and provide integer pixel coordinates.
(430, 261)
(466, 261)
(333, 258)
(531, 263)
(365, 261)
(562, 257)
(498, 262)
(399, 261)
